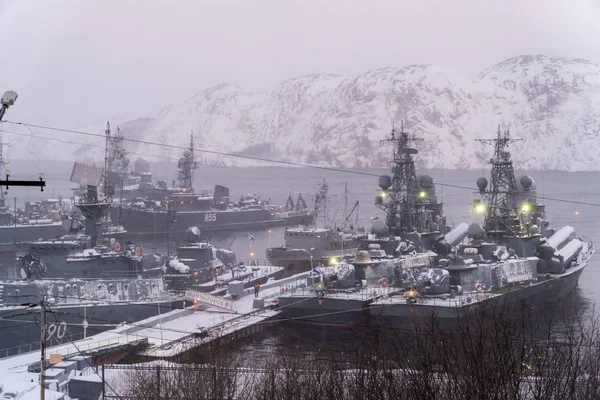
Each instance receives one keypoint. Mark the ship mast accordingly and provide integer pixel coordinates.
(115, 161)
(401, 189)
(321, 202)
(187, 164)
(501, 202)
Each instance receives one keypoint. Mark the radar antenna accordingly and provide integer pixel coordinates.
(401, 213)
(115, 162)
(501, 201)
(187, 164)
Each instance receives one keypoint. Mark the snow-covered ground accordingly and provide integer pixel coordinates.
(167, 334)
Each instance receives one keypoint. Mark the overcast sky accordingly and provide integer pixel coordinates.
(77, 61)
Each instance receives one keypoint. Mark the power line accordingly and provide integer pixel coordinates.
(266, 160)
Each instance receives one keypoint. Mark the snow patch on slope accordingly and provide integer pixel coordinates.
(552, 103)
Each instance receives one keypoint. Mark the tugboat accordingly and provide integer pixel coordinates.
(309, 246)
(208, 211)
(514, 257)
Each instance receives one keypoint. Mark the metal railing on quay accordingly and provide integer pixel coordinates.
(35, 346)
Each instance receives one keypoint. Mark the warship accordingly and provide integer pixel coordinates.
(514, 257)
(308, 246)
(414, 227)
(202, 267)
(208, 211)
(84, 279)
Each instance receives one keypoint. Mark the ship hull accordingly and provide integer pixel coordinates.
(296, 260)
(536, 296)
(13, 238)
(329, 311)
(21, 333)
(142, 222)
(350, 310)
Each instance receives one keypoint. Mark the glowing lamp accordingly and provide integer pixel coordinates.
(251, 254)
(525, 208)
(422, 194)
(480, 208)
(332, 260)
(383, 194)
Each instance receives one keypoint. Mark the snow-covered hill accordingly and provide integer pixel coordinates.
(552, 103)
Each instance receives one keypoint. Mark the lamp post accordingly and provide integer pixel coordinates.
(8, 99)
(269, 238)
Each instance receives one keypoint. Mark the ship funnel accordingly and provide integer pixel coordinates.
(456, 235)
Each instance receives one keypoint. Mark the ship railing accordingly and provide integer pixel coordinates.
(35, 346)
(257, 262)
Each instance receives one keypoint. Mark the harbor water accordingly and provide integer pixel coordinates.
(571, 198)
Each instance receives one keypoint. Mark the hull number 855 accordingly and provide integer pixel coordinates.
(210, 217)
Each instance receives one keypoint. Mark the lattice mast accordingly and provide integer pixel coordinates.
(187, 164)
(115, 161)
(501, 201)
(402, 194)
(321, 203)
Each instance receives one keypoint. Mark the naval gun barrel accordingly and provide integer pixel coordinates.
(456, 235)
(561, 237)
(570, 251)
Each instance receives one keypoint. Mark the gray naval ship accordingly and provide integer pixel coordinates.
(513, 257)
(91, 287)
(208, 211)
(414, 227)
(97, 287)
(309, 246)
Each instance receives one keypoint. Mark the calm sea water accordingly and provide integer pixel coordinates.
(560, 189)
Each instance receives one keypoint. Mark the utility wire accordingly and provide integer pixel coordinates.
(90, 365)
(266, 160)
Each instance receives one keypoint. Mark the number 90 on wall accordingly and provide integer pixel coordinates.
(210, 217)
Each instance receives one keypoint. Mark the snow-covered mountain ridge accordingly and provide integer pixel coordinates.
(552, 103)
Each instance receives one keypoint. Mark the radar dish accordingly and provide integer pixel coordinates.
(192, 234)
(526, 182)
(378, 227)
(385, 182)
(425, 180)
(482, 183)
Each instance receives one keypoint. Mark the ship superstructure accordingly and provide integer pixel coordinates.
(210, 212)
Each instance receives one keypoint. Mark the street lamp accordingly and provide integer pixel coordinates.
(8, 99)
(311, 258)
